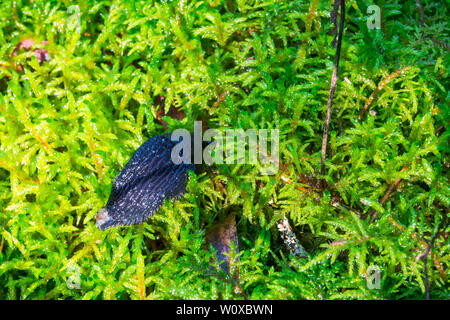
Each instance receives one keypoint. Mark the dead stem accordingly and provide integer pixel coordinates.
(380, 86)
(334, 79)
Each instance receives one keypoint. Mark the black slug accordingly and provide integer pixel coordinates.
(142, 186)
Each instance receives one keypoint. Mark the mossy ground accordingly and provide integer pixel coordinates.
(69, 124)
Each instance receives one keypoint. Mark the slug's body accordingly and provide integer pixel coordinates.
(142, 186)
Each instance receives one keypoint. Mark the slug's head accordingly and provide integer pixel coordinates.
(103, 220)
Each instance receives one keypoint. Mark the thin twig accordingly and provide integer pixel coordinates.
(423, 256)
(386, 196)
(439, 130)
(416, 237)
(279, 164)
(420, 9)
(334, 79)
(425, 270)
(380, 86)
(383, 24)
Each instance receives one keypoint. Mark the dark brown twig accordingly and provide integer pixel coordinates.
(386, 196)
(383, 24)
(398, 226)
(420, 9)
(425, 270)
(334, 79)
(423, 256)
